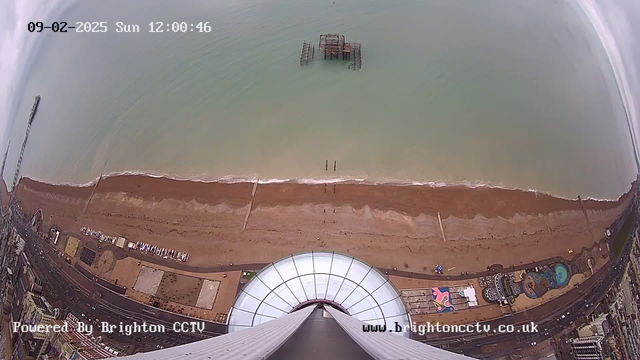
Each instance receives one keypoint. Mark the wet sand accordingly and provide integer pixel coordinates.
(386, 225)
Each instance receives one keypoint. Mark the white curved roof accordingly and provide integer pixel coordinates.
(360, 289)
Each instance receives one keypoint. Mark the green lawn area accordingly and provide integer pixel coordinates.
(621, 239)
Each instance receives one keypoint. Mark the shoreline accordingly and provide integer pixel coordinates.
(359, 194)
(350, 180)
(388, 226)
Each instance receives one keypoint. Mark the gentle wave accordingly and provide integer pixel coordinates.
(232, 179)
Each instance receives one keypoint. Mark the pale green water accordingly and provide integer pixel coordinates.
(519, 95)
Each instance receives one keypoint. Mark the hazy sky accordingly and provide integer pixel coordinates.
(618, 25)
(616, 21)
(18, 48)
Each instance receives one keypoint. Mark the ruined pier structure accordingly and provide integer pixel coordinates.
(308, 52)
(333, 46)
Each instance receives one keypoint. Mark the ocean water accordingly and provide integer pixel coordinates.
(509, 93)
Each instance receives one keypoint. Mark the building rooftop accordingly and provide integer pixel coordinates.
(41, 304)
(87, 347)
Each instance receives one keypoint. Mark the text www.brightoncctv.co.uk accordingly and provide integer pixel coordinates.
(437, 327)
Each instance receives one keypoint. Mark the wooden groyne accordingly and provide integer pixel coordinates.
(250, 207)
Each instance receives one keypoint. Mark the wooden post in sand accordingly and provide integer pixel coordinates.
(326, 165)
(441, 227)
(335, 164)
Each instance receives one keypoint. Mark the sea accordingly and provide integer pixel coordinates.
(516, 94)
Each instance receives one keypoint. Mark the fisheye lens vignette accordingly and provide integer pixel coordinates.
(423, 180)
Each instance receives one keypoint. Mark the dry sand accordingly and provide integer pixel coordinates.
(385, 225)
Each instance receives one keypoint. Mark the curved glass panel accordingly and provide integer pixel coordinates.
(354, 285)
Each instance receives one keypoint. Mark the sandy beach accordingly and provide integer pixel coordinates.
(386, 225)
